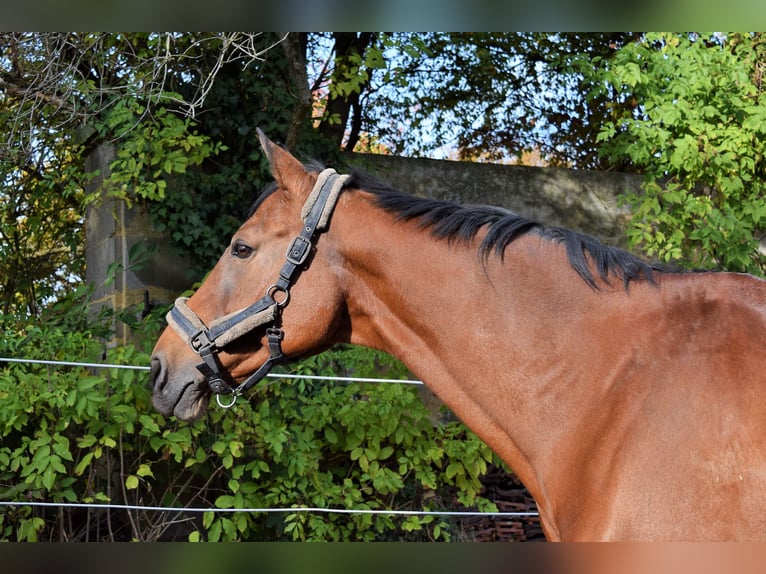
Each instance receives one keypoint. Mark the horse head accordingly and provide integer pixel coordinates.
(252, 311)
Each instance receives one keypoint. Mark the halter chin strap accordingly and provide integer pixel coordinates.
(207, 341)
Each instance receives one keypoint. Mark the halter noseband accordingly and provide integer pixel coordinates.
(207, 341)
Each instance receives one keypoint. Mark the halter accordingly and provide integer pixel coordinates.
(207, 341)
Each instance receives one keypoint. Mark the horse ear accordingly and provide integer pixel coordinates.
(288, 172)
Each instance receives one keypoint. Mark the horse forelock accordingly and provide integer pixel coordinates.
(265, 193)
(461, 223)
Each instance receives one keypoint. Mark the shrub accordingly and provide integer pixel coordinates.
(75, 435)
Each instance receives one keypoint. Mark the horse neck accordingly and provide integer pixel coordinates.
(483, 337)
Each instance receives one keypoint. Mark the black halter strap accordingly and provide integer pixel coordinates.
(207, 341)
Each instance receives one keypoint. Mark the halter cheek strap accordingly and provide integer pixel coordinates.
(207, 341)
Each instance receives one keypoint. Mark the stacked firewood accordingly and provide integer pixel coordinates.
(507, 492)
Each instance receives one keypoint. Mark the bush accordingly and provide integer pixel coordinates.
(697, 132)
(70, 434)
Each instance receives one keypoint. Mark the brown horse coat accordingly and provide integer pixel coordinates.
(630, 402)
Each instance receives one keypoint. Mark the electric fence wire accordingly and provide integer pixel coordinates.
(303, 509)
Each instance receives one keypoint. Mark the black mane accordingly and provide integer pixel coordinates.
(455, 222)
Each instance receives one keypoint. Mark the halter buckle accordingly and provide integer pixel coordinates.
(200, 340)
(299, 250)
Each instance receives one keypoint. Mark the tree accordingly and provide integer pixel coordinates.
(71, 440)
(62, 93)
(40, 226)
(698, 132)
(183, 106)
(205, 205)
(608, 101)
(491, 95)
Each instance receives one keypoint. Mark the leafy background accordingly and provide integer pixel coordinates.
(72, 435)
(684, 110)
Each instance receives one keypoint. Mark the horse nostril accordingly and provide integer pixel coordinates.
(158, 374)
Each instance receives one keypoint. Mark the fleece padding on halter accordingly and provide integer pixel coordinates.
(332, 197)
(226, 329)
(207, 341)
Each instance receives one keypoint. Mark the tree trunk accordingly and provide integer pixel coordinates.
(347, 44)
(295, 50)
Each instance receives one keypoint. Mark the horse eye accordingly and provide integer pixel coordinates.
(241, 250)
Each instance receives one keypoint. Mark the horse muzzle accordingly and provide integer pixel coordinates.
(180, 392)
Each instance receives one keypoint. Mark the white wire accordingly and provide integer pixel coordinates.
(253, 510)
(72, 364)
(344, 379)
(271, 375)
(268, 510)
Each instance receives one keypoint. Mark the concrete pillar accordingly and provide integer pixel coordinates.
(112, 229)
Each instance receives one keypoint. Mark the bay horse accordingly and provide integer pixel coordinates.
(629, 400)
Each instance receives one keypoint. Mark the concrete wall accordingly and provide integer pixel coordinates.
(581, 200)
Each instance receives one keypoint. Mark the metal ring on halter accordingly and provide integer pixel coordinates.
(271, 291)
(206, 341)
(227, 406)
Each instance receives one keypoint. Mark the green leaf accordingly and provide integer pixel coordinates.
(631, 74)
(235, 447)
(330, 435)
(40, 458)
(61, 448)
(225, 501)
(207, 519)
(131, 482)
(454, 468)
(108, 441)
(86, 441)
(148, 423)
(49, 478)
(83, 464)
(145, 470)
(55, 463)
(214, 532)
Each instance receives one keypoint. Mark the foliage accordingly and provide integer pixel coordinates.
(78, 91)
(71, 434)
(57, 82)
(62, 94)
(492, 96)
(151, 149)
(204, 207)
(697, 131)
(40, 229)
